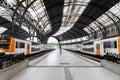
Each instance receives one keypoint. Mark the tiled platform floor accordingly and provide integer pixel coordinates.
(65, 66)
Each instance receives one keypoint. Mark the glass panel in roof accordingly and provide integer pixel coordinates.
(86, 30)
(70, 9)
(25, 28)
(116, 10)
(38, 11)
(5, 14)
(2, 29)
(105, 20)
(94, 26)
(71, 12)
(48, 28)
(11, 2)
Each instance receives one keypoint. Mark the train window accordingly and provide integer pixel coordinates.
(88, 49)
(115, 44)
(88, 43)
(17, 44)
(4, 43)
(107, 45)
(20, 45)
(110, 44)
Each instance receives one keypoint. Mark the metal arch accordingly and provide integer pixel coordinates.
(99, 27)
(52, 17)
(104, 28)
(100, 8)
(64, 37)
(5, 5)
(49, 16)
(71, 29)
(114, 15)
(76, 32)
(69, 35)
(104, 9)
(91, 32)
(26, 11)
(73, 34)
(87, 26)
(24, 36)
(55, 9)
(91, 29)
(15, 11)
(82, 35)
(21, 34)
(20, 23)
(82, 32)
(71, 3)
(93, 21)
(58, 7)
(20, 3)
(74, 3)
(113, 22)
(17, 14)
(90, 17)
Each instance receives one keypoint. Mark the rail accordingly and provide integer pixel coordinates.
(10, 59)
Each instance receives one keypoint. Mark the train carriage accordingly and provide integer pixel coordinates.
(10, 45)
(99, 47)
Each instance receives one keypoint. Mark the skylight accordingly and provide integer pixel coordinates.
(106, 19)
(71, 12)
(2, 30)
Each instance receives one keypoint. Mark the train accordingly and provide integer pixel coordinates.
(98, 47)
(11, 45)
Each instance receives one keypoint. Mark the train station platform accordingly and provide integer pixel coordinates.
(65, 66)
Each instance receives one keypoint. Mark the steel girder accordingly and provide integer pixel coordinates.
(50, 7)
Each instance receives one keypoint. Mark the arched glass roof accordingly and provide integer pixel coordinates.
(44, 18)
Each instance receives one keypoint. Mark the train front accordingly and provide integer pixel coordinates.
(5, 45)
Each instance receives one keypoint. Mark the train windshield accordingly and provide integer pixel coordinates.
(4, 43)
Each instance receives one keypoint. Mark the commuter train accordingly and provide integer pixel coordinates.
(10, 45)
(99, 47)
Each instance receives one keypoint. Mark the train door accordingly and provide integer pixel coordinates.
(118, 45)
(97, 49)
(81, 47)
(28, 49)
